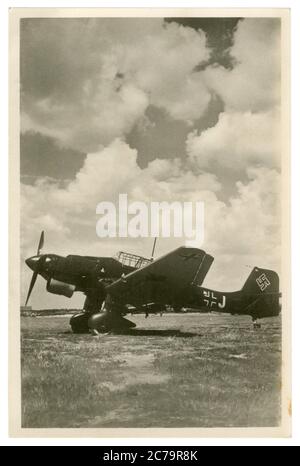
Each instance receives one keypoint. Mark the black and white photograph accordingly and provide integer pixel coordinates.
(150, 185)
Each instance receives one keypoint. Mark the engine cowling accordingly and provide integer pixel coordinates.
(60, 288)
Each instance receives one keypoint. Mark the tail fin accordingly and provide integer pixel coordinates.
(261, 281)
(261, 290)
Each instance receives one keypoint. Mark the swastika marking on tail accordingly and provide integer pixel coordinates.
(263, 282)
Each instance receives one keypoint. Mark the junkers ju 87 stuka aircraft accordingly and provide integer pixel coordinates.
(112, 284)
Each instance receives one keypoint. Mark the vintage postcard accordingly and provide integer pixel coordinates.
(149, 223)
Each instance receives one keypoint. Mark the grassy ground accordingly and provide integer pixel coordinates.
(190, 370)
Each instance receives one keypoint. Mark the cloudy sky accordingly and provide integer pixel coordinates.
(177, 109)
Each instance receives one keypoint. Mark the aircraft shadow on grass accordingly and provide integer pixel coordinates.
(147, 333)
(155, 333)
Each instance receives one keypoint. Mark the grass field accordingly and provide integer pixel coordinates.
(187, 370)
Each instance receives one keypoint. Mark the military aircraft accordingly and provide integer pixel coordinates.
(175, 279)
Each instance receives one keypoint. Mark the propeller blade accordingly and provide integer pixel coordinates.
(34, 276)
(41, 244)
(32, 283)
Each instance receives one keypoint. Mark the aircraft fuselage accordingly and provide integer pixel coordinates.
(234, 302)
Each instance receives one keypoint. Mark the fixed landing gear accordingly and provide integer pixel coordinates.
(101, 322)
(79, 323)
(107, 321)
(256, 325)
(91, 320)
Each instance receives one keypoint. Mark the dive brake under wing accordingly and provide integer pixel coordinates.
(163, 281)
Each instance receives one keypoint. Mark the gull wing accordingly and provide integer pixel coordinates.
(165, 280)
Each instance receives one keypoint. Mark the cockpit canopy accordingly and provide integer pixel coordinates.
(132, 260)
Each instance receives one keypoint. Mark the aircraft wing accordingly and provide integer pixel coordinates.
(163, 281)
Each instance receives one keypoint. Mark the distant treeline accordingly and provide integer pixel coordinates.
(60, 312)
(48, 312)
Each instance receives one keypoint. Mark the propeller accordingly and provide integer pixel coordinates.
(32, 283)
(38, 266)
(41, 244)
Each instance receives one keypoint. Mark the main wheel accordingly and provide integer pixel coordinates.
(79, 323)
(107, 321)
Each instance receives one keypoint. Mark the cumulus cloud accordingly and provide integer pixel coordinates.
(164, 66)
(252, 217)
(94, 120)
(237, 141)
(98, 180)
(94, 80)
(249, 230)
(254, 82)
